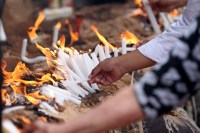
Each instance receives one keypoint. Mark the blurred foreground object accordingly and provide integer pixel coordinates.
(63, 12)
(2, 32)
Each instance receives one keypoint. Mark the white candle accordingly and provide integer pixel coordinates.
(10, 127)
(88, 87)
(29, 60)
(74, 87)
(2, 32)
(95, 86)
(127, 49)
(96, 51)
(151, 16)
(115, 52)
(60, 100)
(95, 59)
(76, 68)
(102, 55)
(55, 34)
(91, 63)
(166, 20)
(11, 109)
(107, 51)
(54, 92)
(56, 29)
(124, 51)
(45, 105)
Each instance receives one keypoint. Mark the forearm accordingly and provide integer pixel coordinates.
(134, 61)
(118, 111)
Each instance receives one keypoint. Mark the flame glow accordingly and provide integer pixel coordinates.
(74, 35)
(173, 13)
(32, 30)
(101, 38)
(61, 42)
(138, 2)
(59, 25)
(39, 20)
(18, 84)
(130, 37)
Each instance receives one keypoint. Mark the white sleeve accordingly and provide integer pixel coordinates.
(158, 48)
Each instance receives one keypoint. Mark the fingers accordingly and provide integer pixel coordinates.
(37, 127)
(95, 71)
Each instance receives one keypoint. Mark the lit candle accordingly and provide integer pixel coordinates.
(56, 32)
(115, 52)
(124, 51)
(102, 55)
(96, 51)
(107, 51)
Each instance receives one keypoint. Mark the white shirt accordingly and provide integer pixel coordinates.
(158, 48)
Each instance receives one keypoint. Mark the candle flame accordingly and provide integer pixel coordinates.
(101, 38)
(39, 20)
(138, 2)
(59, 25)
(61, 42)
(74, 35)
(173, 13)
(32, 30)
(130, 37)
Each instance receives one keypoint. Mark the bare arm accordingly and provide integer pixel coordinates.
(112, 69)
(134, 61)
(117, 111)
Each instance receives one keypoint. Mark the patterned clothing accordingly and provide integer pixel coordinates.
(175, 80)
(157, 49)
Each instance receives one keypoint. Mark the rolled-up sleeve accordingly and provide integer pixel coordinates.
(158, 48)
(175, 80)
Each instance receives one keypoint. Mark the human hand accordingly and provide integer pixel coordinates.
(166, 5)
(146, 40)
(41, 127)
(107, 72)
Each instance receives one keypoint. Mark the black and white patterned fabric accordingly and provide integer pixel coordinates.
(175, 80)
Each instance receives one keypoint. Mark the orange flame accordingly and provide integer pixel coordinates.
(24, 119)
(74, 35)
(138, 2)
(32, 30)
(3, 92)
(18, 84)
(130, 37)
(61, 42)
(59, 25)
(101, 38)
(173, 13)
(39, 20)
(42, 118)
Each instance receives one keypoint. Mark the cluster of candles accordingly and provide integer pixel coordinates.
(76, 68)
(72, 66)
